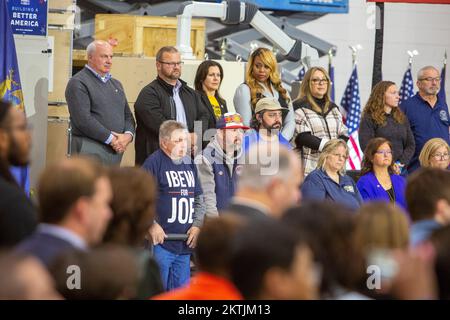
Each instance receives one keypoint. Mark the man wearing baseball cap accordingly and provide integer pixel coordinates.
(218, 166)
(267, 123)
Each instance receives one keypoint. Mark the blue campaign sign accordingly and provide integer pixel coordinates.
(28, 17)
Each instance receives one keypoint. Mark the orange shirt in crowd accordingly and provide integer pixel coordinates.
(203, 286)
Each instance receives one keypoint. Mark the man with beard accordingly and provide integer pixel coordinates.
(17, 214)
(218, 166)
(427, 113)
(166, 98)
(267, 124)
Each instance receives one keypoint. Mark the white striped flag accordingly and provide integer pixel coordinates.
(407, 86)
(351, 111)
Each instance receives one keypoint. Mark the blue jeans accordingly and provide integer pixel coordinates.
(175, 268)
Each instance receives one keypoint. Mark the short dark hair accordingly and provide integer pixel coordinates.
(107, 273)
(5, 108)
(61, 185)
(440, 239)
(162, 50)
(424, 189)
(133, 205)
(254, 254)
(202, 72)
(369, 152)
(214, 246)
(5, 122)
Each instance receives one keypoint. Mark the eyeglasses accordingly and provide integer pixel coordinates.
(384, 152)
(172, 64)
(319, 81)
(429, 79)
(440, 156)
(337, 155)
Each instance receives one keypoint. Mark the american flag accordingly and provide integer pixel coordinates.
(301, 73)
(407, 87)
(351, 111)
(331, 74)
(441, 94)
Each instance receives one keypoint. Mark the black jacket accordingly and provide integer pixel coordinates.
(155, 105)
(207, 106)
(18, 217)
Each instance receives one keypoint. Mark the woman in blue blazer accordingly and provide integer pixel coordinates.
(329, 181)
(378, 181)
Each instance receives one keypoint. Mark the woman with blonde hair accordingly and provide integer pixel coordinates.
(262, 80)
(383, 118)
(329, 181)
(381, 225)
(435, 154)
(317, 118)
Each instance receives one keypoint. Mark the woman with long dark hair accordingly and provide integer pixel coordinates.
(207, 83)
(379, 181)
(383, 118)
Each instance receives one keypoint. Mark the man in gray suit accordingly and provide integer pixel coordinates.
(102, 123)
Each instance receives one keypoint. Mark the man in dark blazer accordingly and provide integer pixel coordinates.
(101, 120)
(17, 214)
(269, 183)
(74, 197)
(166, 98)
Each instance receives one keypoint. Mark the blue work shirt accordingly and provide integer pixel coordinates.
(426, 123)
(319, 186)
(252, 136)
(421, 230)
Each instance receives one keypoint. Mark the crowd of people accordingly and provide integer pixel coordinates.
(254, 204)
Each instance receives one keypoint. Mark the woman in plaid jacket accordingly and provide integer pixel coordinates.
(317, 118)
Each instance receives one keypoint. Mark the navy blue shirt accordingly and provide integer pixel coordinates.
(319, 186)
(178, 185)
(426, 123)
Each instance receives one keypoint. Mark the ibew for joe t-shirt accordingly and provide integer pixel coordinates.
(178, 185)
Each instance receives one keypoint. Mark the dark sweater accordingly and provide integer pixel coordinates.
(97, 108)
(399, 134)
(17, 215)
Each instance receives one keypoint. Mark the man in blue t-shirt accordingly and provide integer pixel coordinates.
(427, 114)
(266, 124)
(180, 207)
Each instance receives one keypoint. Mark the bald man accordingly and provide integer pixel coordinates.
(102, 123)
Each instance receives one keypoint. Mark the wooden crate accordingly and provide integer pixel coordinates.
(61, 5)
(62, 66)
(145, 34)
(64, 20)
(57, 137)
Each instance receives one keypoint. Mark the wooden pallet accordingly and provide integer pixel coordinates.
(146, 34)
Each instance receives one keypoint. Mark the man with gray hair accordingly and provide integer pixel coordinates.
(269, 183)
(428, 115)
(102, 123)
(180, 207)
(166, 98)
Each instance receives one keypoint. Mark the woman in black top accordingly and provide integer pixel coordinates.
(207, 82)
(383, 118)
